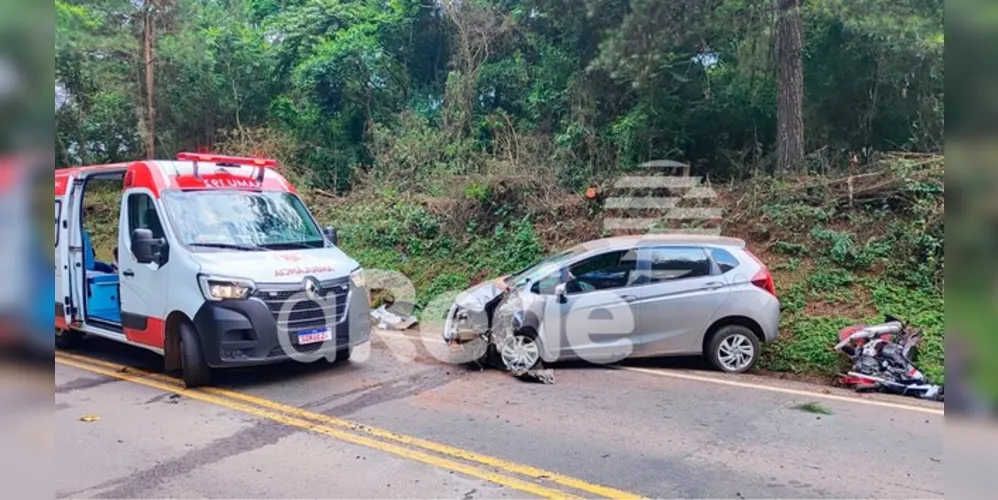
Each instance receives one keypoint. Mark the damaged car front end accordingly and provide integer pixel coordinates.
(496, 322)
(469, 320)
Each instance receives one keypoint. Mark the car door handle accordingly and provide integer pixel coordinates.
(127, 273)
(629, 298)
(713, 285)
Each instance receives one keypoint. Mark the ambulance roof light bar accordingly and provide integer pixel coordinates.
(261, 163)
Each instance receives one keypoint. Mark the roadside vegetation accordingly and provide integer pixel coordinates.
(834, 264)
(456, 141)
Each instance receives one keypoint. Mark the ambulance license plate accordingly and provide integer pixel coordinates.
(313, 336)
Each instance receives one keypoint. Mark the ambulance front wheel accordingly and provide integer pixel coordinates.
(342, 356)
(67, 339)
(192, 365)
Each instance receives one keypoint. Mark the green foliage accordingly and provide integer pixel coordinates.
(511, 247)
(791, 264)
(922, 309)
(392, 233)
(796, 215)
(973, 340)
(844, 251)
(793, 298)
(816, 408)
(477, 192)
(609, 84)
(787, 248)
(828, 277)
(409, 153)
(101, 206)
(806, 346)
(881, 258)
(392, 223)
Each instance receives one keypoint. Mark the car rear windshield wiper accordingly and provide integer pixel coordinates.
(233, 246)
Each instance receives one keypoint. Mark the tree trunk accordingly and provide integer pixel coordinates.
(148, 41)
(790, 84)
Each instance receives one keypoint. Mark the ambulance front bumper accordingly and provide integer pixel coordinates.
(250, 332)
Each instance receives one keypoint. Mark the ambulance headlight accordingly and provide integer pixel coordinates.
(357, 278)
(219, 288)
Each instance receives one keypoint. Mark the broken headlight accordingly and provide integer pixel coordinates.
(357, 278)
(465, 323)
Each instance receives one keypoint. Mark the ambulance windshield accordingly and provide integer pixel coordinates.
(242, 220)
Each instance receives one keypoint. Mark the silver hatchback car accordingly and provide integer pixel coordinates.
(622, 297)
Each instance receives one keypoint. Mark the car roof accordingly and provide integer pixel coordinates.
(647, 240)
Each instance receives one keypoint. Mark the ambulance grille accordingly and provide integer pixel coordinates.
(306, 314)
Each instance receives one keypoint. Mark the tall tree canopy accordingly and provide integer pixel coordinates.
(606, 84)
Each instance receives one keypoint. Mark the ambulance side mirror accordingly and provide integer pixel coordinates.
(330, 233)
(146, 248)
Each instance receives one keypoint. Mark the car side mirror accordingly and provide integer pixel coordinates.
(147, 248)
(330, 233)
(561, 291)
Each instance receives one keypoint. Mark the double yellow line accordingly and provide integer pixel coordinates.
(525, 478)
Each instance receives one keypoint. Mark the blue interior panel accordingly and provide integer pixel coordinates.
(102, 297)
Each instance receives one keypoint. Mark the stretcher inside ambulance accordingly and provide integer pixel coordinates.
(219, 264)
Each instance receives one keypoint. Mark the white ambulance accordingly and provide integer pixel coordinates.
(219, 265)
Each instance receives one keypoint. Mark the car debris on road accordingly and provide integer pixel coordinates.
(542, 375)
(387, 320)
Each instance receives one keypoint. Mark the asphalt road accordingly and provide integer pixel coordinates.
(396, 422)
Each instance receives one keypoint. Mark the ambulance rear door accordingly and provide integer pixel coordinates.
(69, 269)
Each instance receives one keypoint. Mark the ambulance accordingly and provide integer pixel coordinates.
(219, 264)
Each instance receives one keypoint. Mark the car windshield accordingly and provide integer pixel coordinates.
(242, 220)
(542, 268)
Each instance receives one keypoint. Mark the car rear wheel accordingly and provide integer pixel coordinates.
(192, 365)
(733, 349)
(519, 352)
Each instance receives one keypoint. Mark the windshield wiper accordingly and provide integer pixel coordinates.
(297, 244)
(233, 246)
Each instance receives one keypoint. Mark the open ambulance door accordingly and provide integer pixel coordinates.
(70, 262)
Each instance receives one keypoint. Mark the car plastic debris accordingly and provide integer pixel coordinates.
(387, 320)
(542, 375)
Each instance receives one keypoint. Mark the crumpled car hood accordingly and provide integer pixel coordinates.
(477, 297)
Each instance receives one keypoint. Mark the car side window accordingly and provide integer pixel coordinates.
(603, 272)
(725, 261)
(546, 285)
(675, 263)
(142, 214)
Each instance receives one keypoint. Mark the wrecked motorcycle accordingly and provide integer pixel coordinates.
(883, 360)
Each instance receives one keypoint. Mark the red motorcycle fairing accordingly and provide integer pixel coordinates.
(850, 380)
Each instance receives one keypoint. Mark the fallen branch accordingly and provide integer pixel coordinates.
(324, 193)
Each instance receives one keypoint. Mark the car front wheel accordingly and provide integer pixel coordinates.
(734, 349)
(519, 352)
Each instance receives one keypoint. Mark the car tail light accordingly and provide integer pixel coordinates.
(763, 279)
